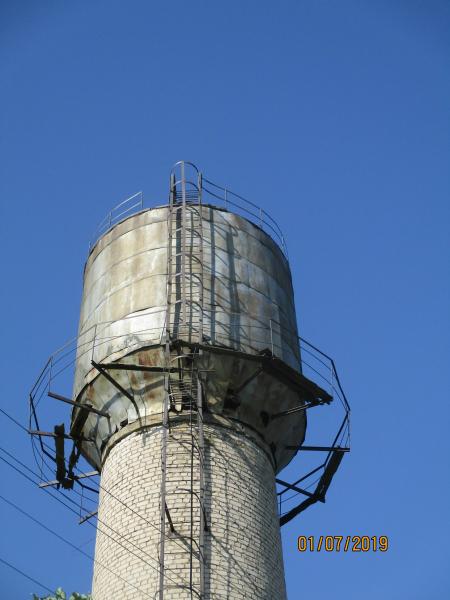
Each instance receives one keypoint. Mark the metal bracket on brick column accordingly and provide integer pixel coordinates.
(291, 486)
(331, 464)
(169, 518)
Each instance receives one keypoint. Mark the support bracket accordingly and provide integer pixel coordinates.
(103, 371)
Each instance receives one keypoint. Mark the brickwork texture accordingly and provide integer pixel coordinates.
(242, 546)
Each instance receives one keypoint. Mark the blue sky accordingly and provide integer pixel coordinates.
(333, 116)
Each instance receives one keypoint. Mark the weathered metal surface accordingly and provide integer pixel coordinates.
(248, 307)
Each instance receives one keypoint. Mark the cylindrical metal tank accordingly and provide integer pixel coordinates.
(248, 308)
(183, 289)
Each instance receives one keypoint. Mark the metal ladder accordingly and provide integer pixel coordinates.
(182, 540)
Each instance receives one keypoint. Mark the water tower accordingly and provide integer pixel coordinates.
(189, 397)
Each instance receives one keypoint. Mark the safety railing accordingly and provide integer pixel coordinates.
(220, 328)
(212, 193)
(121, 211)
(97, 343)
(240, 205)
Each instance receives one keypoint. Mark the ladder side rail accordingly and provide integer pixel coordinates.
(183, 241)
(164, 440)
(165, 427)
(201, 258)
(202, 524)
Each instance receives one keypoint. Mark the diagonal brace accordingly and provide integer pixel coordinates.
(117, 385)
(293, 487)
(296, 409)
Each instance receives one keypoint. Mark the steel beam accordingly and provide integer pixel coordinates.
(88, 407)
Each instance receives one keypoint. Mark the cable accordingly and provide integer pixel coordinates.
(176, 574)
(60, 537)
(96, 527)
(299, 493)
(89, 523)
(99, 520)
(44, 462)
(26, 576)
(219, 578)
(13, 420)
(110, 528)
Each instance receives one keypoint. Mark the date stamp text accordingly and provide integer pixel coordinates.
(342, 543)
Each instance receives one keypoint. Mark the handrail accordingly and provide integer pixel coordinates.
(278, 338)
(261, 217)
(251, 211)
(272, 335)
(134, 204)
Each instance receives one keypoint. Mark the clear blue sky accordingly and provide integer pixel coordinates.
(335, 117)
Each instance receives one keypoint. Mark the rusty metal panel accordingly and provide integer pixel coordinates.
(248, 306)
(248, 299)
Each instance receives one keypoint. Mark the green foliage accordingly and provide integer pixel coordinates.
(61, 595)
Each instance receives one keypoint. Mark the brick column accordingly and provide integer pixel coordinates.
(242, 547)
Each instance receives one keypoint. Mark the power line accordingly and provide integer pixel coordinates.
(41, 472)
(26, 576)
(66, 541)
(14, 420)
(219, 578)
(138, 514)
(91, 524)
(222, 578)
(72, 510)
(176, 574)
(99, 520)
(125, 505)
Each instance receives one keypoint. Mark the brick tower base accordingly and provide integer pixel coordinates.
(242, 546)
